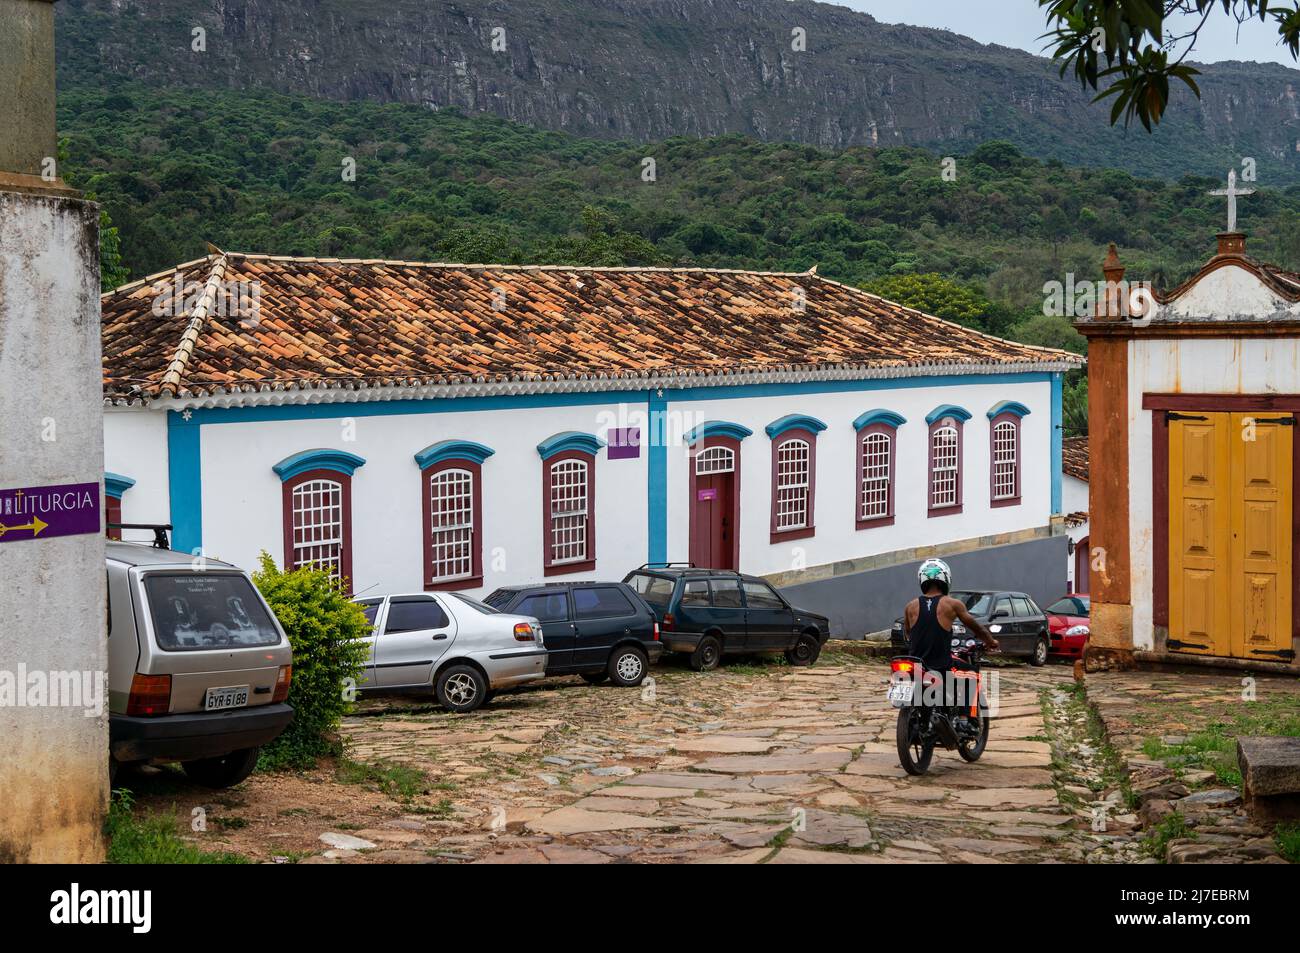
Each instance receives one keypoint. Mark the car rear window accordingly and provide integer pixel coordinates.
(655, 590)
(601, 602)
(1070, 605)
(195, 611)
(413, 615)
(545, 607)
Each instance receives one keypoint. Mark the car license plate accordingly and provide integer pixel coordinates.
(900, 693)
(235, 696)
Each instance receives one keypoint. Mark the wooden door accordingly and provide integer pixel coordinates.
(1261, 535)
(1231, 534)
(711, 528)
(1200, 473)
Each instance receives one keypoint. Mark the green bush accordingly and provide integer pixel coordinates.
(325, 629)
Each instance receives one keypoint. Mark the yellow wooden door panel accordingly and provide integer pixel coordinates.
(1199, 534)
(1262, 531)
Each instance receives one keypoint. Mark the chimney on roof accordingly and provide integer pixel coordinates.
(29, 146)
(1232, 244)
(1110, 301)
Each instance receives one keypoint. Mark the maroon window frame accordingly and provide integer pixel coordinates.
(112, 514)
(887, 518)
(945, 509)
(345, 547)
(475, 577)
(809, 528)
(1014, 499)
(553, 568)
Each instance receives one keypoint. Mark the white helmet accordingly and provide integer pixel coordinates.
(935, 570)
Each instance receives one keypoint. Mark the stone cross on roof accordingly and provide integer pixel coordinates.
(1232, 192)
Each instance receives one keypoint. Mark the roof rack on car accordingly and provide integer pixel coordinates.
(160, 531)
(666, 565)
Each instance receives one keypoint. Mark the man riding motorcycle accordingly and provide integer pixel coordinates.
(928, 620)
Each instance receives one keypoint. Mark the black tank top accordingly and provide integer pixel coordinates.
(929, 640)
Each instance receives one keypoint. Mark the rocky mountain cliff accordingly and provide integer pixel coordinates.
(645, 70)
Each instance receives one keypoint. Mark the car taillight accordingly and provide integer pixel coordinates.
(898, 665)
(668, 621)
(656, 637)
(150, 695)
(282, 681)
(523, 632)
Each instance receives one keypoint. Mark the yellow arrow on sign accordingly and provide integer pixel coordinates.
(36, 525)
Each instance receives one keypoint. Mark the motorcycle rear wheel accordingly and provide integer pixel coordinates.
(971, 749)
(913, 752)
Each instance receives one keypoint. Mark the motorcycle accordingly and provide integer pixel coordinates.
(925, 716)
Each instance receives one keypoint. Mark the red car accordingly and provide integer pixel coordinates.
(1068, 626)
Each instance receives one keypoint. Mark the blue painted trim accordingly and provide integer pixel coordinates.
(185, 482)
(115, 485)
(948, 410)
(321, 458)
(436, 405)
(1008, 407)
(569, 440)
(452, 450)
(794, 422)
(716, 428)
(657, 479)
(1058, 432)
(879, 416)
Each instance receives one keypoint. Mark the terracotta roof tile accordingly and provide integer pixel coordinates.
(351, 323)
(1074, 462)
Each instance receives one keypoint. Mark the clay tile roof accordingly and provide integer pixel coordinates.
(1076, 519)
(1074, 451)
(326, 323)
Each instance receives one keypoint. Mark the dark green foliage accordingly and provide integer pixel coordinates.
(325, 629)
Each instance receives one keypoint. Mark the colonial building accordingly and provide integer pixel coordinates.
(426, 426)
(1074, 500)
(1193, 400)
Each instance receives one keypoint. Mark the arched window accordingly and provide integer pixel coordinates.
(569, 495)
(715, 460)
(876, 476)
(451, 501)
(317, 505)
(794, 475)
(1004, 454)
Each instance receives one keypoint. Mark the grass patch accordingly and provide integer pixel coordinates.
(399, 781)
(1287, 838)
(1210, 750)
(1173, 827)
(152, 839)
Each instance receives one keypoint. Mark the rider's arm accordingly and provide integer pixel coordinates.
(969, 621)
(907, 617)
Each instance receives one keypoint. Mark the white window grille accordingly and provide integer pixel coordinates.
(792, 465)
(318, 526)
(875, 476)
(1004, 460)
(451, 524)
(715, 460)
(568, 511)
(943, 486)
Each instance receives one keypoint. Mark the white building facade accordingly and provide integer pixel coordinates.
(809, 476)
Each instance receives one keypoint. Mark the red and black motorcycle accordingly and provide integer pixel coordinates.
(932, 710)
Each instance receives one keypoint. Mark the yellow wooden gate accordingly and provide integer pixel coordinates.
(1230, 534)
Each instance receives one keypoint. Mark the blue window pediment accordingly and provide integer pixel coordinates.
(319, 459)
(717, 428)
(1008, 407)
(452, 450)
(569, 440)
(115, 485)
(794, 422)
(948, 410)
(879, 416)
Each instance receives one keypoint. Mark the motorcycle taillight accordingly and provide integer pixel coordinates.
(902, 665)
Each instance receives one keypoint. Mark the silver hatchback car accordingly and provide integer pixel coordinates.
(462, 649)
(198, 666)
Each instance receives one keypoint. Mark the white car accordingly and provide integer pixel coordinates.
(462, 650)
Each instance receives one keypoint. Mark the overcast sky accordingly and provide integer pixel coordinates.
(1019, 23)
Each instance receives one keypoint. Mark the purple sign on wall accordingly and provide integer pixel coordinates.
(624, 443)
(41, 512)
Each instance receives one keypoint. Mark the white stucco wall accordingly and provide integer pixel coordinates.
(135, 446)
(1187, 366)
(1074, 499)
(242, 497)
(837, 537)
